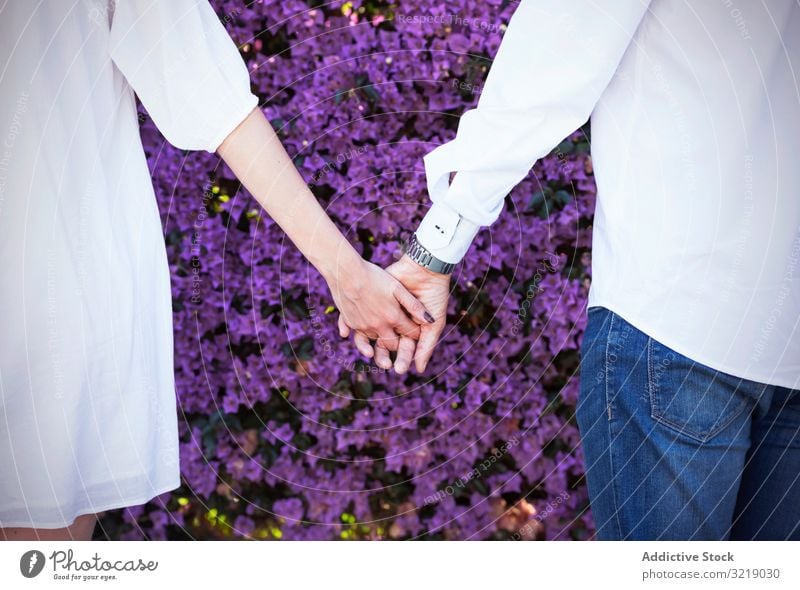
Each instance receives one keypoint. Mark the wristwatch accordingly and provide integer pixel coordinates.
(419, 254)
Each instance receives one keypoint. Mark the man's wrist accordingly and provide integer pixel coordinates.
(419, 270)
(417, 253)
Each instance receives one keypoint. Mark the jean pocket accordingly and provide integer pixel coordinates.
(690, 398)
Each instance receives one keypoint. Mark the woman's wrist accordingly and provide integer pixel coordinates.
(342, 267)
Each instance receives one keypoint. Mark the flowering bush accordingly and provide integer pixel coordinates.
(285, 431)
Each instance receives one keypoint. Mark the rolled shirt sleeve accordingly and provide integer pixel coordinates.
(184, 67)
(536, 93)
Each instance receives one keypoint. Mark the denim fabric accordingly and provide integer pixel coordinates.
(676, 450)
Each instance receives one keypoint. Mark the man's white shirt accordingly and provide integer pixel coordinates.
(695, 120)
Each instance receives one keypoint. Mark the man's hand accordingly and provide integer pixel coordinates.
(432, 290)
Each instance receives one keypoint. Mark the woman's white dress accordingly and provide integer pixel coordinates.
(88, 417)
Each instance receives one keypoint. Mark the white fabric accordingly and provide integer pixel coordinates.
(88, 417)
(695, 110)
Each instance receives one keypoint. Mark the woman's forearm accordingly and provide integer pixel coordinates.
(255, 154)
(370, 301)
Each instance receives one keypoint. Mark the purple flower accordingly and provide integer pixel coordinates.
(284, 428)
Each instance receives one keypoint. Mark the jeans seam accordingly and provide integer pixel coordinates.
(651, 383)
(707, 435)
(610, 426)
(607, 369)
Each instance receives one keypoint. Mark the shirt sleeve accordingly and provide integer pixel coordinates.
(537, 92)
(184, 67)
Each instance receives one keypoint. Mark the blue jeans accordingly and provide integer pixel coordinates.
(676, 450)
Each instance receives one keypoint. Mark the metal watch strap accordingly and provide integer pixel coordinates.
(419, 254)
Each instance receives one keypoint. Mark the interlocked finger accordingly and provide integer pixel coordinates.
(363, 344)
(382, 358)
(388, 340)
(405, 354)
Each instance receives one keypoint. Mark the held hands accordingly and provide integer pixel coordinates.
(402, 309)
(376, 306)
(372, 302)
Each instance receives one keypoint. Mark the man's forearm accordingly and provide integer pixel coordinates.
(533, 97)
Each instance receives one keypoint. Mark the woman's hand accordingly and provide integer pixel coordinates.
(374, 304)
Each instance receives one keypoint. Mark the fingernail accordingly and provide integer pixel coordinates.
(428, 317)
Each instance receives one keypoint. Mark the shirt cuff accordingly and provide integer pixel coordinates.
(445, 234)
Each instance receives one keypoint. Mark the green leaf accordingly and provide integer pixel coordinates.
(371, 93)
(566, 147)
(536, 200)
(363, 389)
(562, 197)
